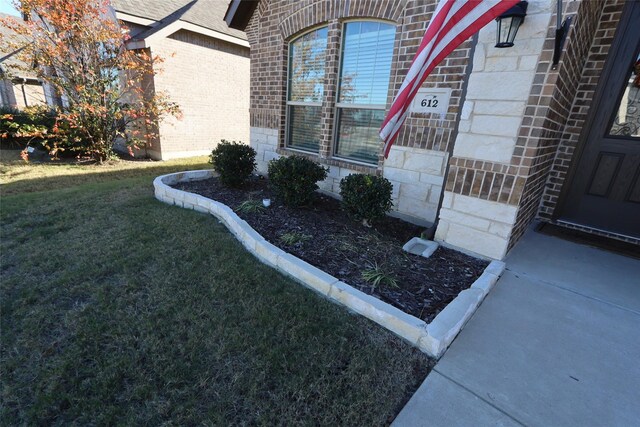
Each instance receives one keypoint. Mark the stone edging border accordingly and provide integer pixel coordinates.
(432, 338)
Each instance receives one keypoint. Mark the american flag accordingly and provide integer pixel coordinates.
(453, 22)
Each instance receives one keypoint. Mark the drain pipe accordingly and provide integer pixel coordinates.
(24, 93)
(430, 232)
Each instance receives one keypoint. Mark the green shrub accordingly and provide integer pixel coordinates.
(234, 162)
(30, 126)
(294, 179)
(366, 197)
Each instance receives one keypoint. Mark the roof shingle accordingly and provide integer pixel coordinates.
(205, 13)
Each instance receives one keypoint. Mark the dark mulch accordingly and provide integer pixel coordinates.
(345, 248)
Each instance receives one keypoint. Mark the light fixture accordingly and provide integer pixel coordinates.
(508, 24)
(562, 29)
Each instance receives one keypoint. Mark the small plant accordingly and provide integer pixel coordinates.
(377, 275)
(294, 179)
(250, 206)
(234, 162)
(366, 198)
(294, 237)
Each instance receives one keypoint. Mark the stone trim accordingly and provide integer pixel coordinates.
(332, 161)
(432, 338)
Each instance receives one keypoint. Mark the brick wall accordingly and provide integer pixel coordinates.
(508, 143)
(600, 21)
(527, 171)
(550, 122)
(209, 79)
(424, 137)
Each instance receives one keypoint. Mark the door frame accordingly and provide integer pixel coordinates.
(592, 123)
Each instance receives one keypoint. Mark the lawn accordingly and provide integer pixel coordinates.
(118, 309)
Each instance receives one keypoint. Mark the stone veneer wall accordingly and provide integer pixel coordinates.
(510, 179)
(490, 163)
(209, 79)
(417, 163)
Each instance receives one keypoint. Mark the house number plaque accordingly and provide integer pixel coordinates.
(431, 100)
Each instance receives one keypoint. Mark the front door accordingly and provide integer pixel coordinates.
(605, 191)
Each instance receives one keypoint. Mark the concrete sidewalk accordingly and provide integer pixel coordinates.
(556, 343)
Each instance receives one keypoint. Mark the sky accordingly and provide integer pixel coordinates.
(7, 7)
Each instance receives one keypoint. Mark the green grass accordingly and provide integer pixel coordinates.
(118, 309)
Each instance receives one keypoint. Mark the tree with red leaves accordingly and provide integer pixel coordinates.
(80, 50)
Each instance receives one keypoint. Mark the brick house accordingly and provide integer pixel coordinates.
(205, 71)
(521, 139)
(19, 85)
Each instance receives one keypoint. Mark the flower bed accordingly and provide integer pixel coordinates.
(432, 336)
(324, 236)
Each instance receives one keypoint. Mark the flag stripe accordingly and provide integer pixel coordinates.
(453, 22)
(463, 9)
(445, 36)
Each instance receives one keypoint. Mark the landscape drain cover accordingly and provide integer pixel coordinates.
(418, 246)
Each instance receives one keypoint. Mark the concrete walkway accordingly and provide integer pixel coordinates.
(556, 343)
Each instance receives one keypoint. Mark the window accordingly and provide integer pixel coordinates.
(367, 50)
(307, 56)
(363, 82)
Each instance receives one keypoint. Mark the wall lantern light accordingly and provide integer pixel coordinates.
(562, 29)
(508, 24)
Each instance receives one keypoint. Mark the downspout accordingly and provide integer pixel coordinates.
(24, 93)
(430, 232)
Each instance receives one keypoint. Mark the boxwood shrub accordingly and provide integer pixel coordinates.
(294, 179)
(366, 198)
(234, 162)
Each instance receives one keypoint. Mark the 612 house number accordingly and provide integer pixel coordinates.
(431, 100)
(430, 103)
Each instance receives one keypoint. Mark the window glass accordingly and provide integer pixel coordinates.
(367, 50)
(359, 134)
(307, 57)
(306, 70)
(304, 127)
(627, 114)
(366, 62)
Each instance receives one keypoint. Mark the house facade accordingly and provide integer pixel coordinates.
(19, 85)
(520, 138)
(204, 69)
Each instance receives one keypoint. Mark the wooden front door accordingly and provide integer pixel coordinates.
(605, 190)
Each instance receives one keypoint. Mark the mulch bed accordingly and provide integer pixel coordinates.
(345, 248)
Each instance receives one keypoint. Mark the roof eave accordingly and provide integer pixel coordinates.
(239, 13)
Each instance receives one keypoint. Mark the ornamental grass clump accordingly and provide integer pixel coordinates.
(234, 162)
(251, 207)
(377, 275)
(366, 198)
(294, 179)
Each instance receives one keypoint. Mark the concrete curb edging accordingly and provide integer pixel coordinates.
(433, 338)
